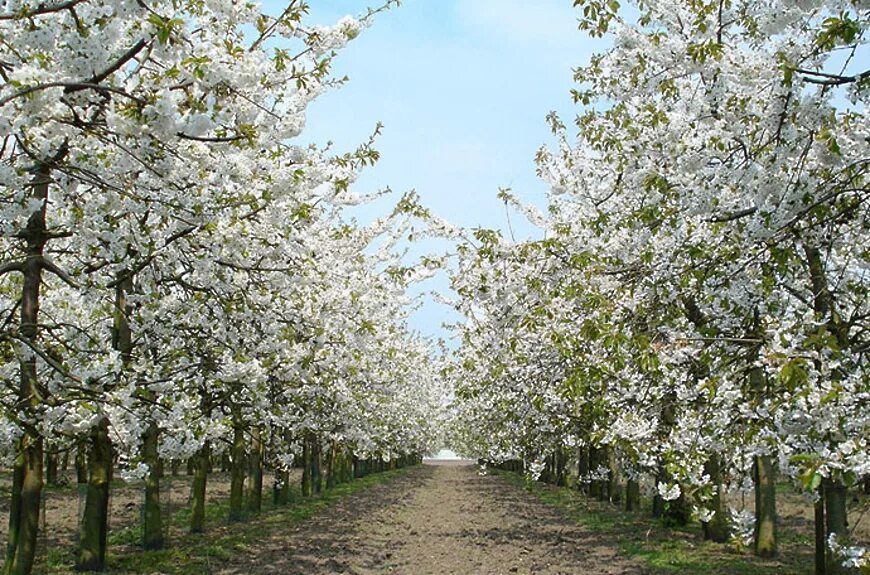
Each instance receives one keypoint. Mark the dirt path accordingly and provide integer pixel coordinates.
(437, 519)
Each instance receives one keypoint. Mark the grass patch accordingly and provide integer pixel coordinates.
(191, 554)
(666, 550)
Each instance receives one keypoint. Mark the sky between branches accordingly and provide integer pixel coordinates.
(462, 88)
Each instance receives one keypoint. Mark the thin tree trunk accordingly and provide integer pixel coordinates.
(821, 548)
(658, 502)
(614, 491)
(316, 465)
(330, 462)
(51, 468)
(255, 472)
(765, 536)
(307, 456)
(596, 486)
(678, 511)
(717, 529)
(632, 495)
(95, 520)
(836, 523)
(198, 489)
(281, 491)
(81, 462)
(152, 527)
(237, 481)
(583, 468)
(200, 466)
(348, 465)
(834, 489)
(26, 496)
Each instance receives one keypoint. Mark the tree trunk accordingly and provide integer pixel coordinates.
(765, 535)
(678, 511)
(281, 490)
(658, 503)
(51, 468)
(81, 462)
(332, 462)
(597, 487)
(27, 484)
(614, 491)
(307, 456)
(834, 489)
(717, 529)
(632, 495)
(24, 507)
(559, 457)
(821, 549)
(237, 478)
(835, 523)
(94, 527)
(348, 465)
(317, 465)
(152, 525)
(255, 472)
(583, 469)
(200, 481)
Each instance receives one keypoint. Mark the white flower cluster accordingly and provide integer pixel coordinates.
(853, 557)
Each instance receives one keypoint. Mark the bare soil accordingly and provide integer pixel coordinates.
(439, 518)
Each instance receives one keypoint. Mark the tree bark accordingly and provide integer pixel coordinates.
(597, 487)
(614, 491)
(81, 462)
(152, 526)
(27, 483)
(200, 481)
(307, 456)
(834, 490)
(821, 546)
(717, 529)
(237, 477)
(281, 490)
(94, 527)
(316, 465)
(332, 463)
(255, 472)
(658, 502)
(836, 523)
(632, 495)
(765, 535)
(348, 465)
(51, 468)
(583, 469)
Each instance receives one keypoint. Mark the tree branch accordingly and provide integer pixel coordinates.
(40, 10)
(12, 267)
(52, 267)
(126, 57)
(213, 139)
(730, 217)
(824, 79)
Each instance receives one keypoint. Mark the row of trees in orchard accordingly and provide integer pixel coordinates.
(697, 317)
(178, 279)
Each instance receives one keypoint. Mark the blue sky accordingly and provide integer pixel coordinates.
(462, 88)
